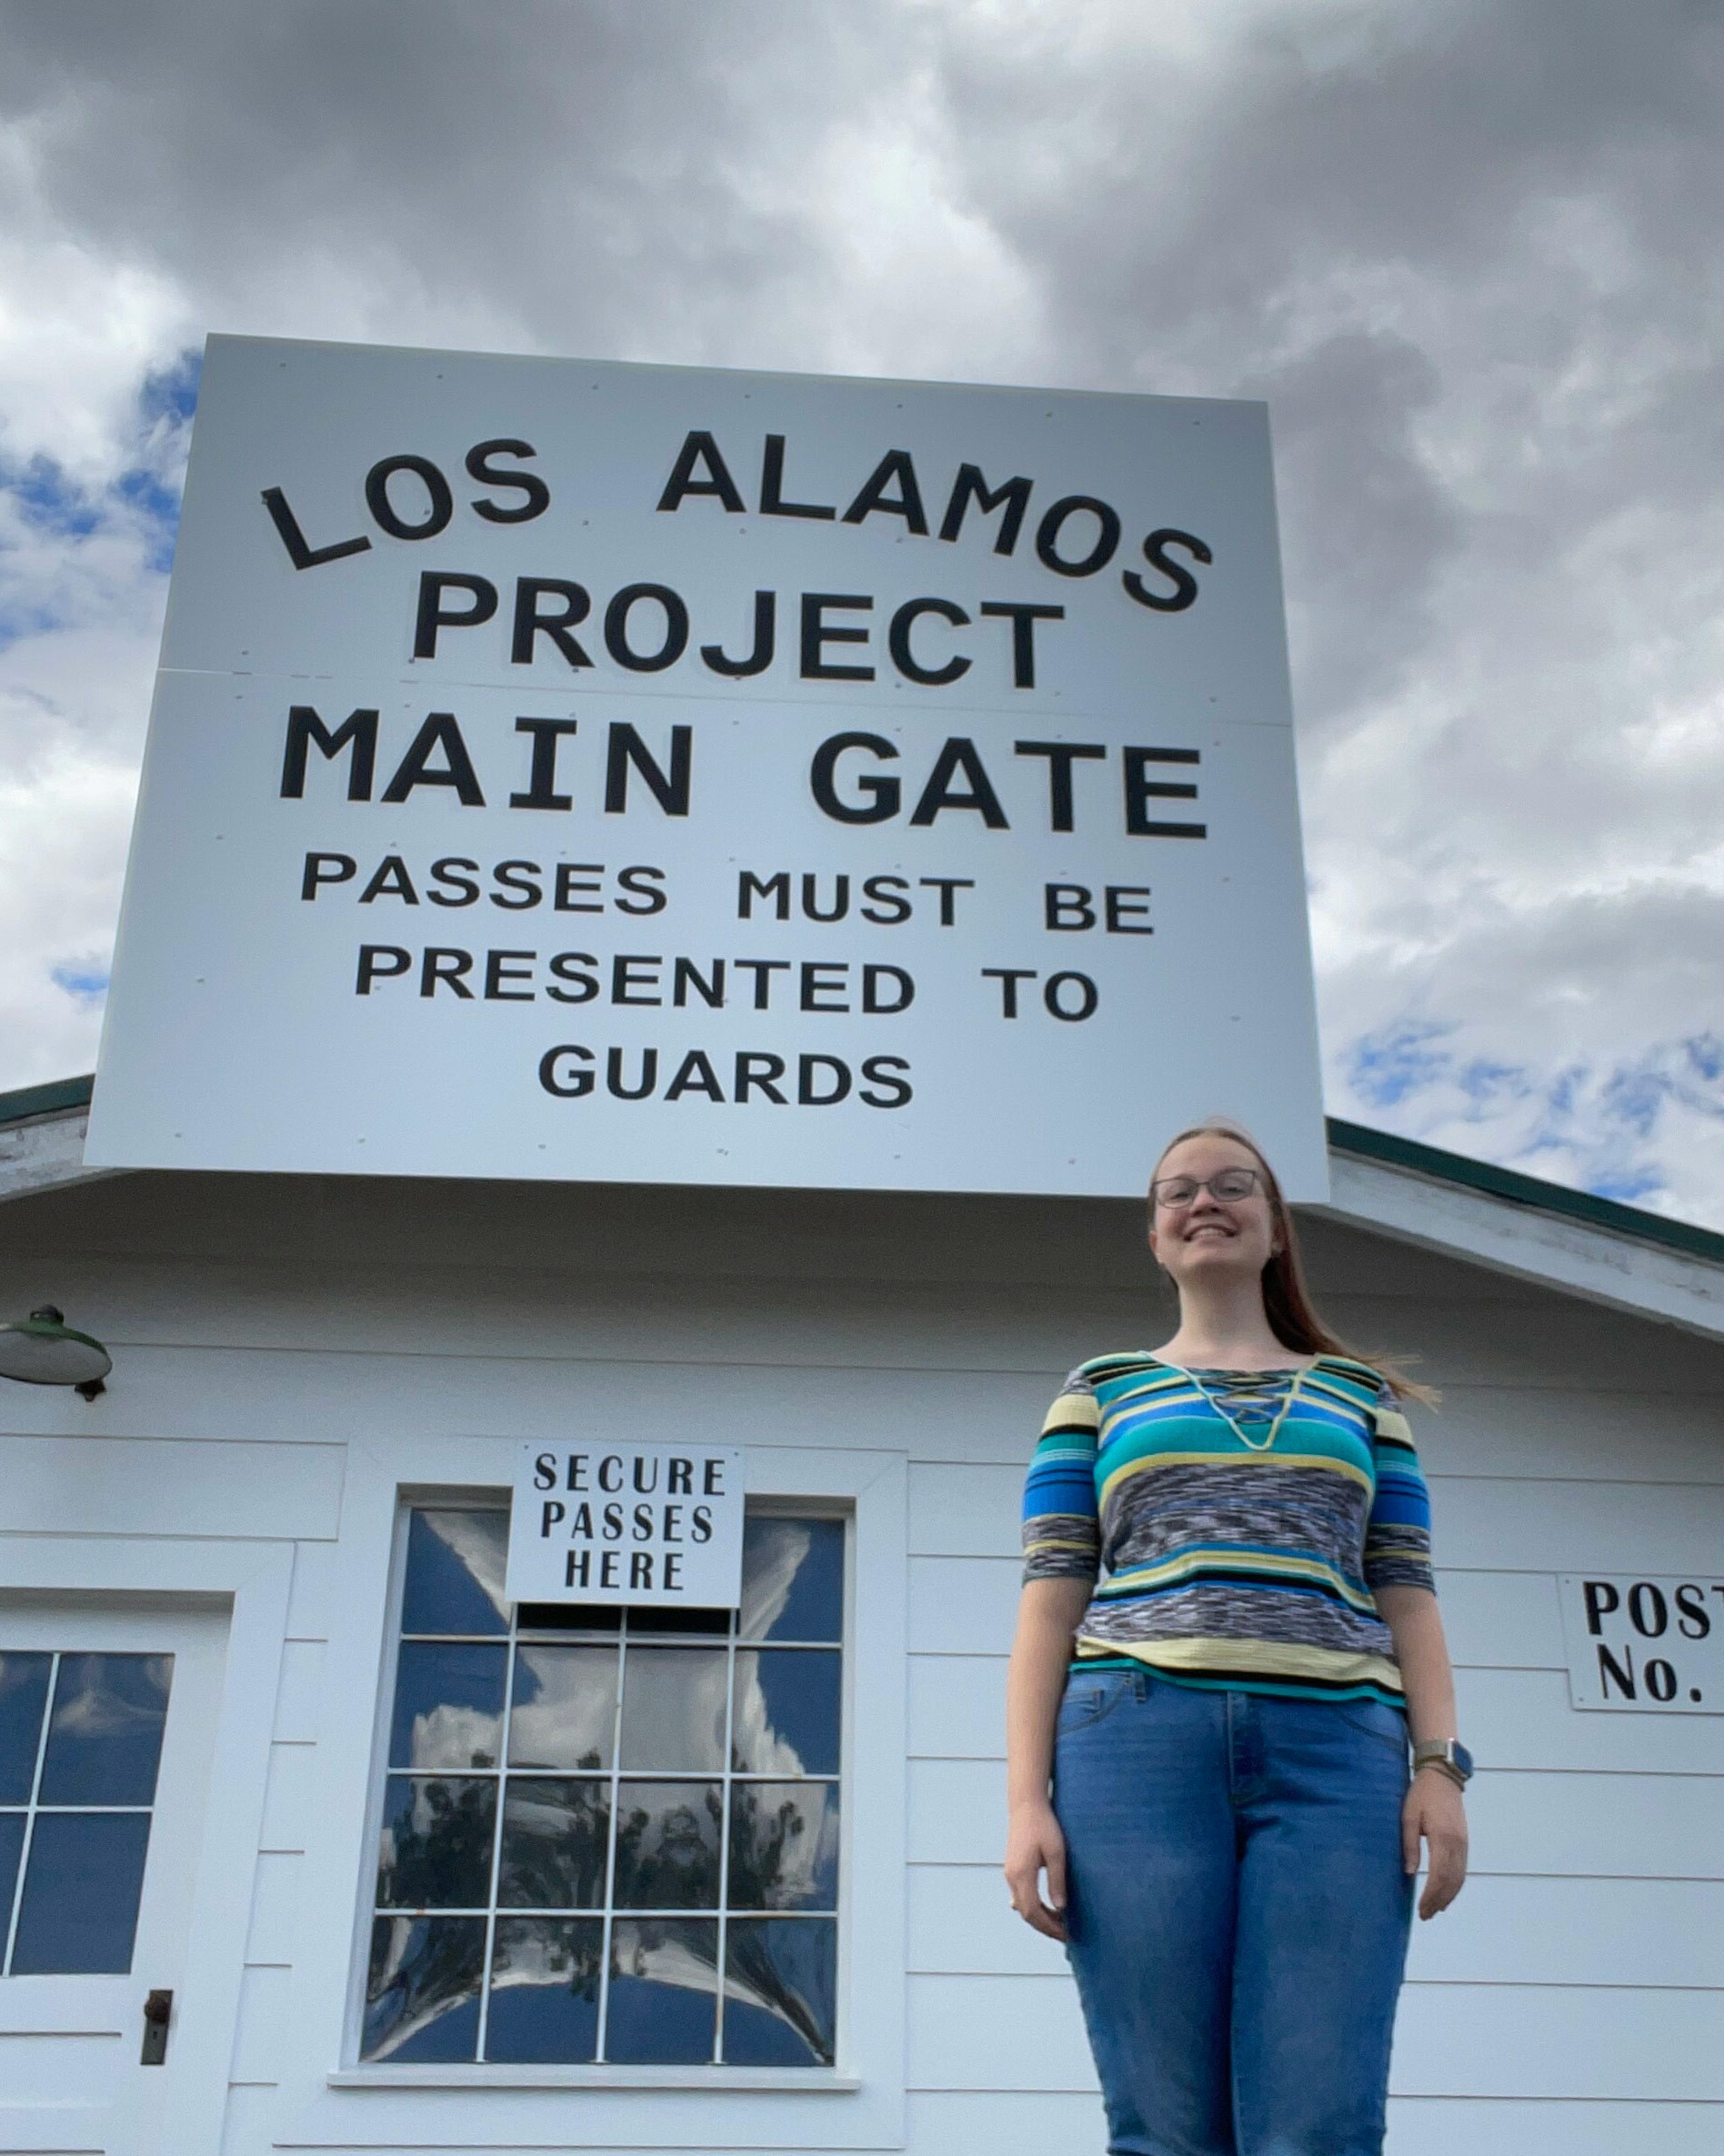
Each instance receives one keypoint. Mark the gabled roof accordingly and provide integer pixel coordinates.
(1496, 1216)
(41, 1132)
(1539, 1231)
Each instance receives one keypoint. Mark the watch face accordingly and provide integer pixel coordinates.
(1462, 1757)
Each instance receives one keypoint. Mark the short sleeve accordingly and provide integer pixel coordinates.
(1398, 1534)
(1062, 1531)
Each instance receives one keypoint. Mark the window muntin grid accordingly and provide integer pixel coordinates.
(80, 1749)
(610, 1835)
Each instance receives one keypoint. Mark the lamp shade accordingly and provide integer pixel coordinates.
(42, 1349)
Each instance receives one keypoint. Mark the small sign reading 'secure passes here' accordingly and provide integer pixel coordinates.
(627, 1523)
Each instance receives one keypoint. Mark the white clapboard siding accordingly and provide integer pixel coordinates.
(1513, 1718)
(1023, 2123)
(962, 1924)
(1486, 2126)
(996, 2033)
(1602, 1826)
(274, 1394)
(263, 2045)
(1027, 2123)
(1488, 2040)
(797, 1319)
(1571, 1435)
(1655, 1933)
(314, 1597)
(980, 2122)
(1498, 1524)
(962, 1605)
(1559, 2041)
(253, 2120)
(290, 1795)
(1602, 1931)
(278, 1907)
(299, 1694)
(95, 1485)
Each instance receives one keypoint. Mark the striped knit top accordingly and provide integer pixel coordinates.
(1230, 1562)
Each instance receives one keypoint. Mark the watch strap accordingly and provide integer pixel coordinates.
(1446, 1755)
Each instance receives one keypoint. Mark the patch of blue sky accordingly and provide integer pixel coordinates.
(17, 622)
(1633, 1099)
(1626, 1185)
(1602, 1126)
(171, 392)
(1386, 1068)
(1705, 1054)
(144, 495)
(1490, 1087)
(53, 503)
(86, 984)
(159, 505)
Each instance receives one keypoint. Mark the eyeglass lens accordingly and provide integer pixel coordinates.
(1232, 1183)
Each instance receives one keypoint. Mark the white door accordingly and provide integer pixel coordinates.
(107, 1709)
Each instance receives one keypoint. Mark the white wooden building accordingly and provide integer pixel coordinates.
(300, 1362)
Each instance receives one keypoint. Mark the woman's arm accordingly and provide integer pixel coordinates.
(1048, 1613)
(1433, 1812)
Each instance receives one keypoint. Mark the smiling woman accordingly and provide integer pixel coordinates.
(1208, 1745)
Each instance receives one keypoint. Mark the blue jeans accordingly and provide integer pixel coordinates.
(1237, 1912)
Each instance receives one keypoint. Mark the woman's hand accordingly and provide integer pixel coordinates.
(1034, 1844)
(1434, 1814)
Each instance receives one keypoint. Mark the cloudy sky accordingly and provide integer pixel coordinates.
(1468, 249)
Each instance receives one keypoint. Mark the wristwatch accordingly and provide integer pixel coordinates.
(1448, 1755)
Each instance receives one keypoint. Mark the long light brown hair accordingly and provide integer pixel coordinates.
(1286, 1301)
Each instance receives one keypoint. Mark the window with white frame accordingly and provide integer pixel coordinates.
(80, 1744)
(610, 1835)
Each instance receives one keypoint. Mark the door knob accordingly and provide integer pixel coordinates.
(158, 2009)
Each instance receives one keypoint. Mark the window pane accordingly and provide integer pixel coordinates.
(567, 1617)
(105, 1731)
(24, 1691)
(11, 1849)
(78, 1911)
(783, 1845)
(564, 1712)
(663, 1993)
(660, 1618)
(434, 1851)
(454, 1572)
(555, 1837)
(422, 1996)
(544, 1990)
(792, 1579)
(666, 1845)
(781, 1992)
(787, 1712)
(448, 1705)
(673, 1709)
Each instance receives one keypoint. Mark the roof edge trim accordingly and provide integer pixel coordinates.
(61, 1097)
(1507, 1183)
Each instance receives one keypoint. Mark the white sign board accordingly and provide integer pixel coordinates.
(627, 1523)
(1645, 1645)
(646, 773)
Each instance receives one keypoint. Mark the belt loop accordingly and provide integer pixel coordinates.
(1139, 1687)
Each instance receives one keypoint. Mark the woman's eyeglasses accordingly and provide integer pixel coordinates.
(1176, 1192)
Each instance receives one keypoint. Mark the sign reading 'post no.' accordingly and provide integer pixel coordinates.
(571, 770)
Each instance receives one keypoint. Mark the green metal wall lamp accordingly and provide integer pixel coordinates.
(42, 1349)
